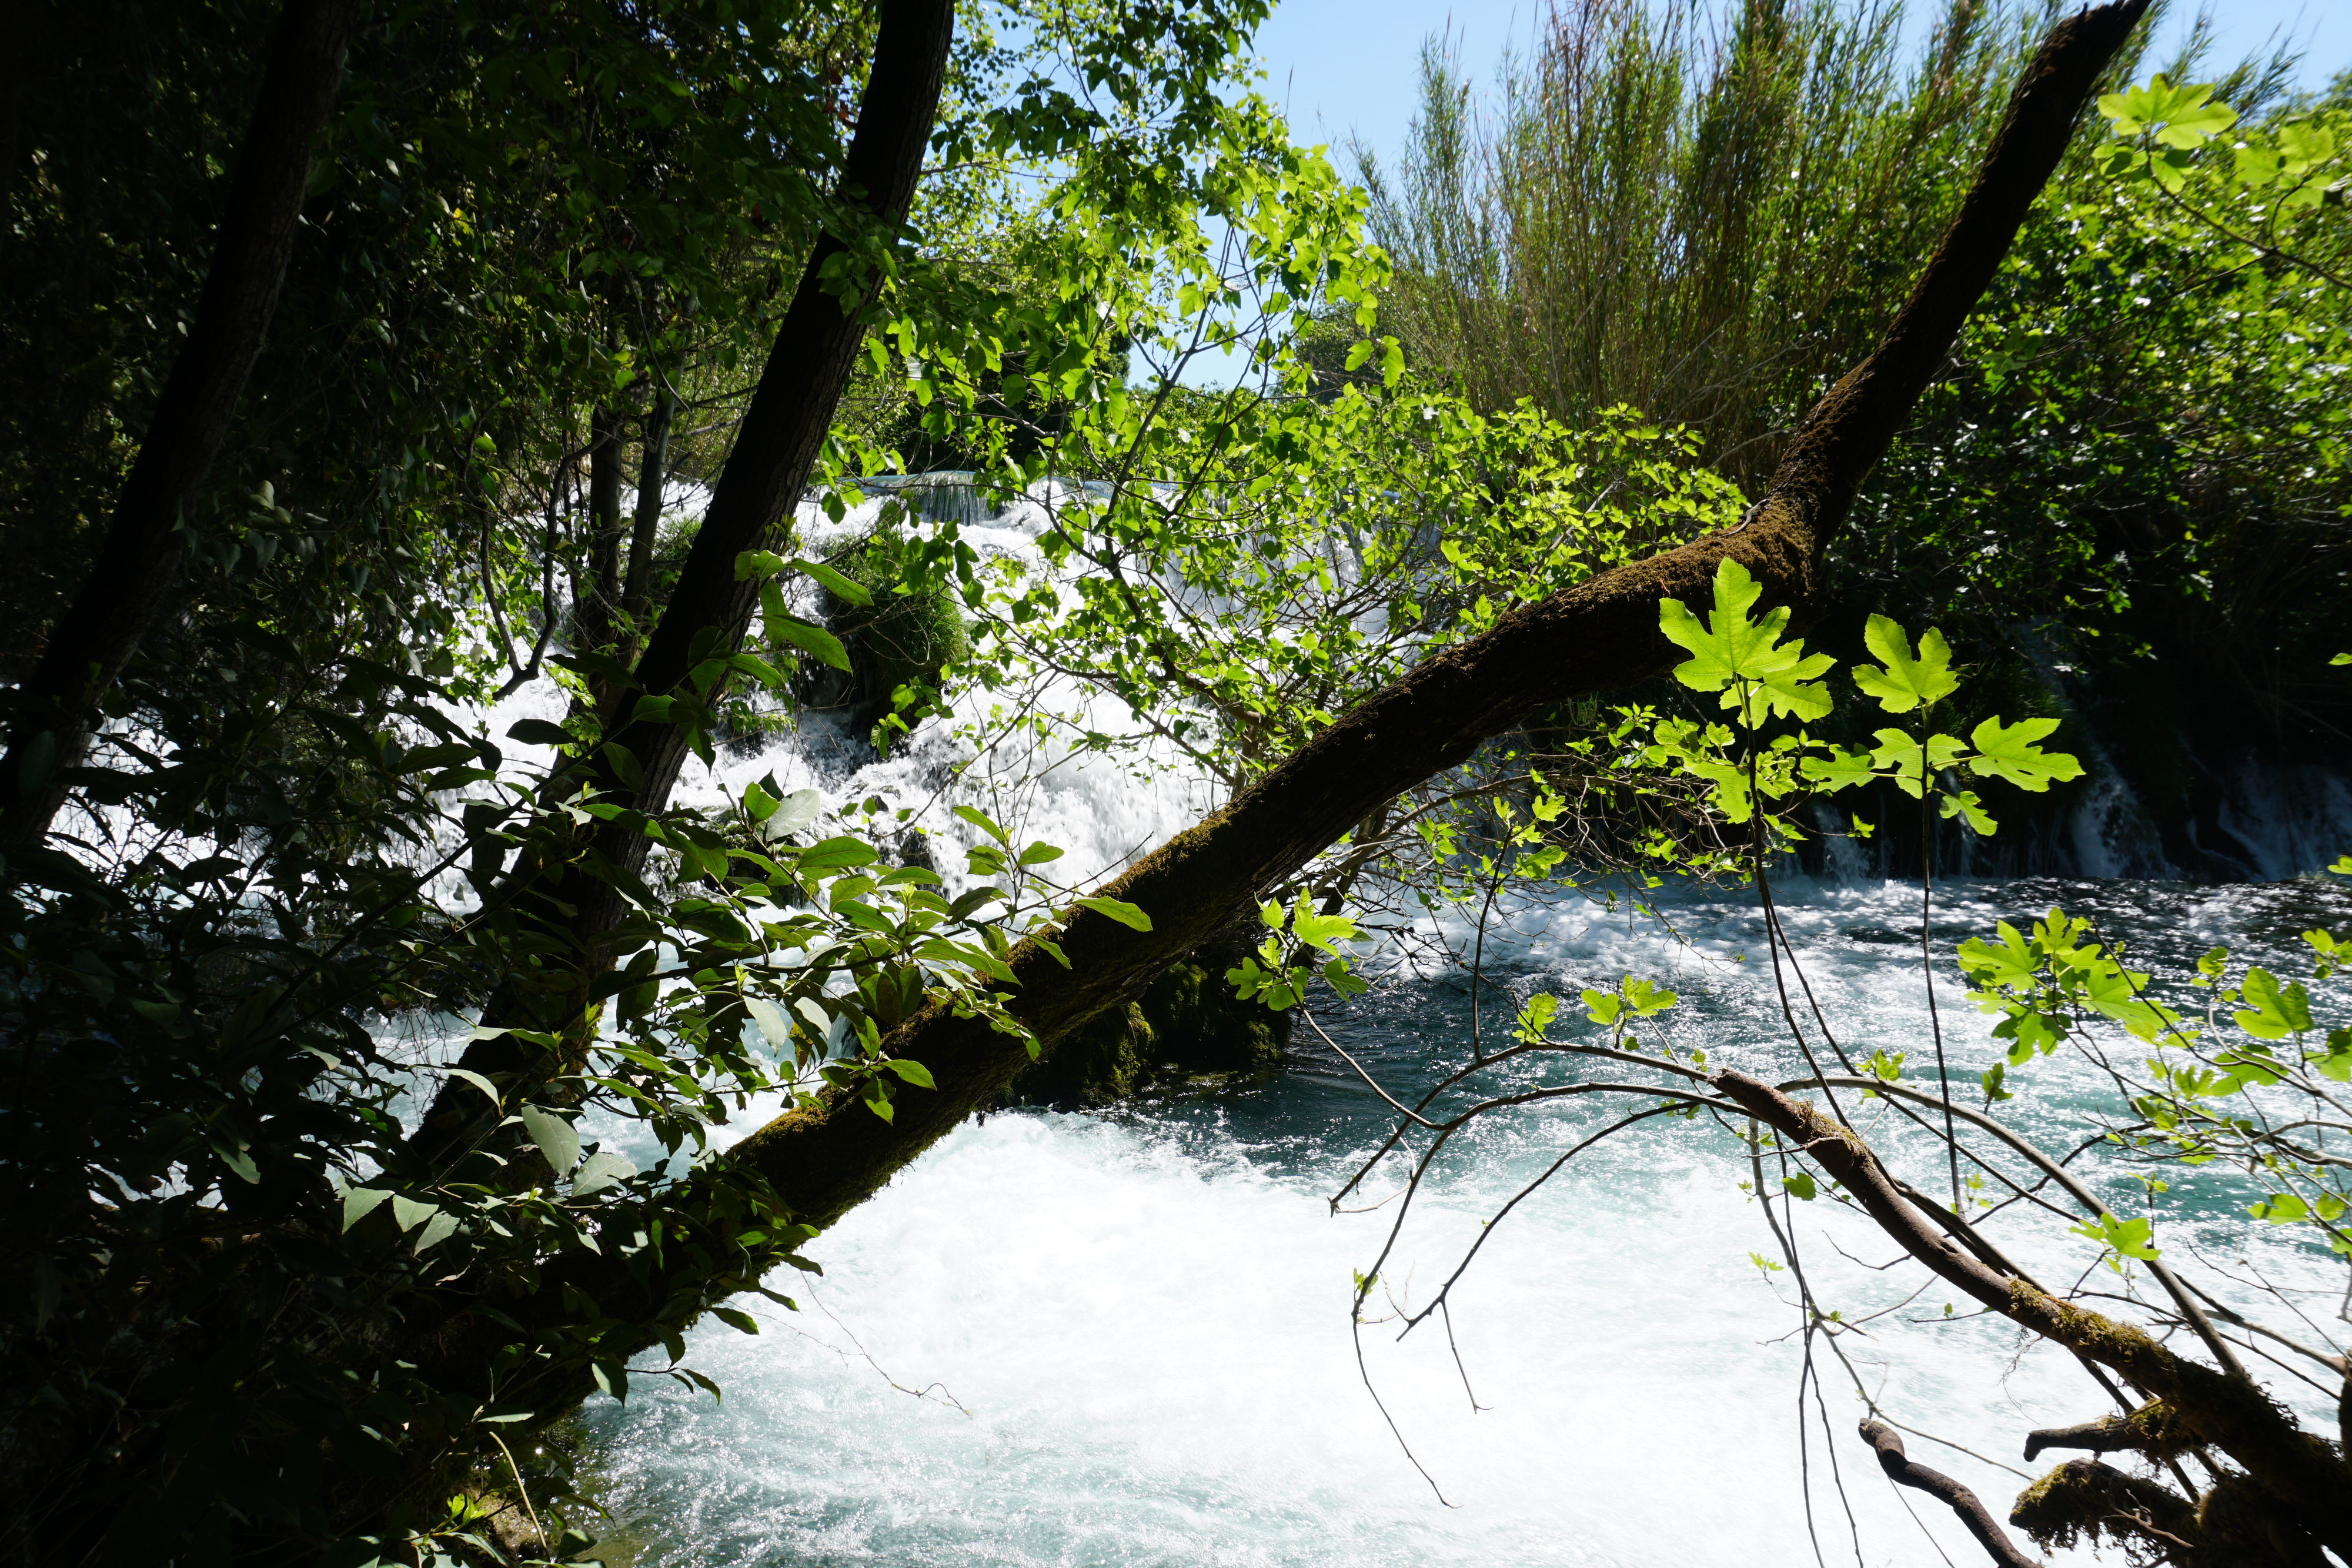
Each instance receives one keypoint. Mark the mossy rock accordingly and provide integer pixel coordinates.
(1187, 1031)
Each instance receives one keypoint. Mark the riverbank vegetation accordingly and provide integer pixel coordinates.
(326, 380)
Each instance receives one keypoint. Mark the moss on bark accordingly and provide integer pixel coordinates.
(1186, 1031)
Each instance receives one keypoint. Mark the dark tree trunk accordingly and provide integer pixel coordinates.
(56, 707)
(807, 370)
(637, 589)
(600, 596)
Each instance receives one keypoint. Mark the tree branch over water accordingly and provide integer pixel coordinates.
(1599, 635)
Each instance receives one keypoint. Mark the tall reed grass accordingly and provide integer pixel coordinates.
(1691, 213)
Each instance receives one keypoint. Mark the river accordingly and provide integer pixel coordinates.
(1123, 1338)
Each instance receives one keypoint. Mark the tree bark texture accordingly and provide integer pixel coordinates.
(598, 601)
(1903, 1471)
(131, 583)
(637, 589)
(807, 370)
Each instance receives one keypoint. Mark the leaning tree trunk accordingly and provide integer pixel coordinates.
(1600, 635)
(128, 588)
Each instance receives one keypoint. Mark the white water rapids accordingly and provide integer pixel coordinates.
(1127, 1338)
(1123, 1338)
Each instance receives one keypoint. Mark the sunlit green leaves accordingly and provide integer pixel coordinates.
(2273, 1011)
(1909, 680)
(2125, 1238)
(1269, 977)
(1742, 656)
(2008, 751)
(2182, 116)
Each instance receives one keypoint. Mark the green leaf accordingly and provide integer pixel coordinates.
(1320, 931)
(837, 854)
(409, 1213)
(759, 669)
(1645, 998)
(2011, 963)
(1839, 769)
(735, 1317)
(807, 636)
(2336, 1061)
(1743, 657)
(557, 1139)
(2273, 1011)
(2129, 1237)
(603, 1169)
(2179, 117)
(2280, 1208)
(478, 1080)
(1800, 1185)
(981, 821)
(913, 1072)
(1124, 914)
(794, 813)
(840, 586)
(774, 1028)
(538, 732)
(2007, 751)
(1337, 976)
(1909, 680)
(359, 1202)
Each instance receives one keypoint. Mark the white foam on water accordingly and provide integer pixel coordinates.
(1152, 1343)
(1128, 1336)
(1145, 1317)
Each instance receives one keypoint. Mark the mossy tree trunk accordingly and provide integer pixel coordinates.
(1597, 636)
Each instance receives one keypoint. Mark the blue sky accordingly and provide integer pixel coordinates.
(1351, 66)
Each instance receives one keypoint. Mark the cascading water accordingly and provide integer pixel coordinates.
(1123, 1339)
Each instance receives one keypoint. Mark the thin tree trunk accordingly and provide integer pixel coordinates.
(127, 590)
(595, 619)
(636, 595)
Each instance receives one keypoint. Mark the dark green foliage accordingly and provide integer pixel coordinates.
(1188, 1027)
(901, 645)
(256, 1308)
